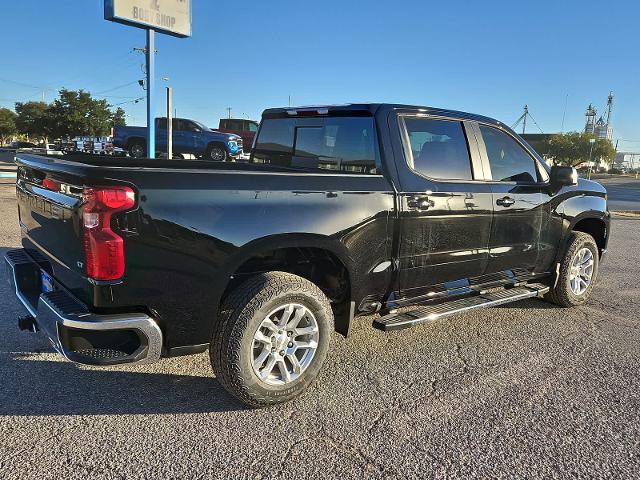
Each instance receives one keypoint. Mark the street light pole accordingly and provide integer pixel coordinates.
(151, 120)
(591, 141)
(169, 123)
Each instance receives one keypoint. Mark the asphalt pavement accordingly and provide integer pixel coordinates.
(526, 390)
(623, 191)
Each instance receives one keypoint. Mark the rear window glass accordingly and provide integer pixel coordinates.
(338, 144)
(438, 148)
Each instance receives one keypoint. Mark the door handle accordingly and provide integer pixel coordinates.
(420, 203)
(505, 202)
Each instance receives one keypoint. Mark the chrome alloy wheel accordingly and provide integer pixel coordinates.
(581, 271)
(284, 344)
(217, 154)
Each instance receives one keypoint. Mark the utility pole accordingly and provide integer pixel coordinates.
(524, 118)
(564, 112)
(169, 124)
(229, 110)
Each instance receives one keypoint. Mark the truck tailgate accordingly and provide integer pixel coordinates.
(51, 196)
(49, 211)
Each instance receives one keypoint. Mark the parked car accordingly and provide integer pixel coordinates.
(246, 129)
(343, 211)
(48, 149)
(21, 144)
(189, 137)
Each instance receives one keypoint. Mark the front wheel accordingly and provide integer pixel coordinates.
(578, 271)
(272, 336)
(216, 153)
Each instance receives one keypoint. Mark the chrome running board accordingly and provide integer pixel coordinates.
(398, 321)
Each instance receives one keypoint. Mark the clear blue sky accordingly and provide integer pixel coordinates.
(488, 57)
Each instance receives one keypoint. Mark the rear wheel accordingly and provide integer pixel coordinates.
(272, 337)
(578, 271)
(138, 149)
(216, 153)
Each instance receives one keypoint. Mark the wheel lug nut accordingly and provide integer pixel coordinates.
(288, 334)
(273, 350)
(282, 353)
(290, 344)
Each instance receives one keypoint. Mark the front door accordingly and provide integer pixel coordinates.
(520, 202)
(445, 207)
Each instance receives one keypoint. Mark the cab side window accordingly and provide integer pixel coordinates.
(508, 160)
(438, 149)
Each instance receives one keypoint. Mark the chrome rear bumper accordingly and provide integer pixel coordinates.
(78, 334)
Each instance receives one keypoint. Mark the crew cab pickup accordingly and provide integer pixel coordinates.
(342, 211)
(188, 136)
(247, 129)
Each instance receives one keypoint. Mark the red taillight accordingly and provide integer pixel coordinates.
(104, 250)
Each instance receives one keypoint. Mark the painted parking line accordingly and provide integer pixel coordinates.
(7, 175)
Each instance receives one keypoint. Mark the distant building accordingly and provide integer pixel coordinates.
(590, 120)
(601, 128)
(627, 161)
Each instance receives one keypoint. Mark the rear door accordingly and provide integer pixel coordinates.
(161, 134)
(445, 206)
(520, 202)
(183, 136)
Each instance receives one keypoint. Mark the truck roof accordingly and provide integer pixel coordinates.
(373, 108)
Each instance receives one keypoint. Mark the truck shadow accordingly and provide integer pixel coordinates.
(36, 381)
(33, 387)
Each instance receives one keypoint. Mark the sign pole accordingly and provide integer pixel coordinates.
(151, 117)
(169, 124)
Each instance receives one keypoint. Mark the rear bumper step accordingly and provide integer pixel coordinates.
(399, 321)
(78, 334)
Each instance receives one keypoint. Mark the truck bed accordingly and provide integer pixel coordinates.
(194, 223)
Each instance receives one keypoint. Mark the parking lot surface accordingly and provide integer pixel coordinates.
(623, 191)
(524, 390)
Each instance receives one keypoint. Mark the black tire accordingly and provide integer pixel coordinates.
(216, 153)
(138, 149)
(242, 313)
(562, 294)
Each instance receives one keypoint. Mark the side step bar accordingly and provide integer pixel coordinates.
(398, 321)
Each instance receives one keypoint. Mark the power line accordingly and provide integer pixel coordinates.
(135, 100)
(116, 88)
(22, 84)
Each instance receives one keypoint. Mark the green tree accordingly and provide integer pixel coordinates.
(573, 148)
(32, 119)
(118, 118)
(7, 124)
(77, 113)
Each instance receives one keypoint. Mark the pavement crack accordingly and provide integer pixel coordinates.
(360, 456)
(465, 364)
(287, 454)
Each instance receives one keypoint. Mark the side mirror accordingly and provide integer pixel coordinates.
(563, 176)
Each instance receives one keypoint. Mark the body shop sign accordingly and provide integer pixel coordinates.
(168, 16)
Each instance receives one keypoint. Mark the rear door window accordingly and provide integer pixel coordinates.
(509, 162)
(438, 148)
(338, 144)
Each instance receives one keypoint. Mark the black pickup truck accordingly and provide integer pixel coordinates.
(341, 211)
